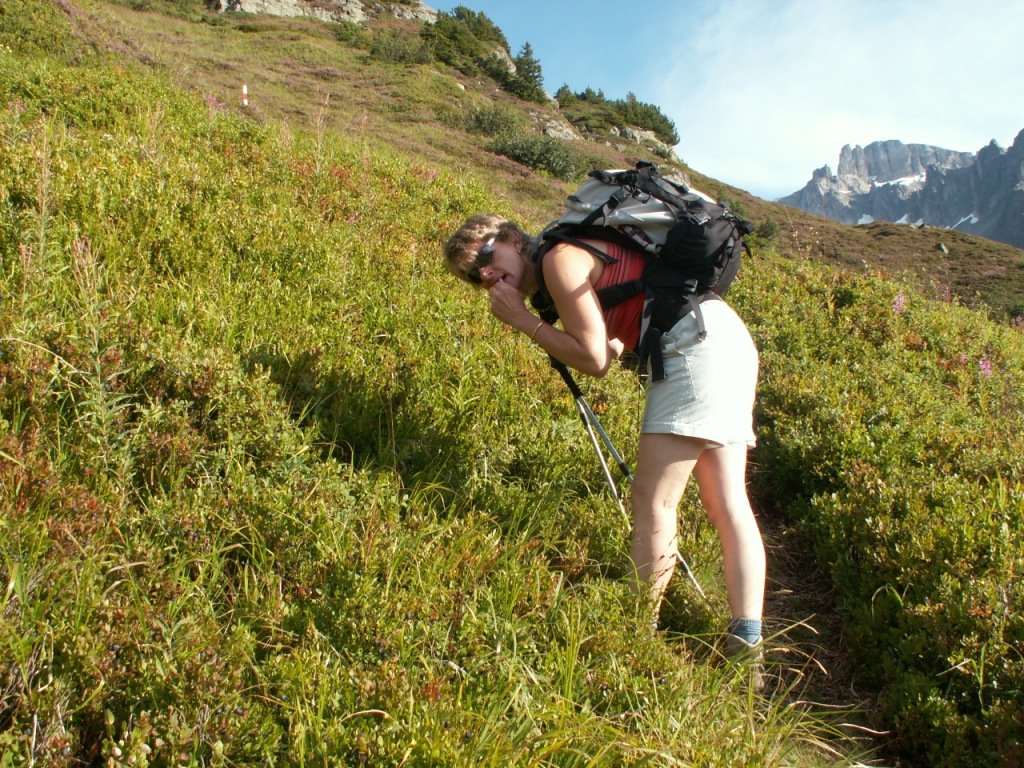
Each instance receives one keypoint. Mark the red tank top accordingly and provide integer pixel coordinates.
(623, 321)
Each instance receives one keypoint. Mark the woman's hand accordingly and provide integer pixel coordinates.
(509, 306)
(583, 342)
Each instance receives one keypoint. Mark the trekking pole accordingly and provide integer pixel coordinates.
(589, 418)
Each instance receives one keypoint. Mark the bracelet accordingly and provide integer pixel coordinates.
(533, 336)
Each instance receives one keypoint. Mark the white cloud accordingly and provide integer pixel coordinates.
(763, 93)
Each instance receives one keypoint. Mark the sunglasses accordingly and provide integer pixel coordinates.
(484, 257)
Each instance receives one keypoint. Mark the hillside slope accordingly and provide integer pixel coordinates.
(296, 70)
(273, 490)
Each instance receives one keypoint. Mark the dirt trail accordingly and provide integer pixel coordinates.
(807, 658)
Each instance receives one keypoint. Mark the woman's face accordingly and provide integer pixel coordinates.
(496, 262)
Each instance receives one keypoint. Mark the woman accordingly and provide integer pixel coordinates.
(697, 420)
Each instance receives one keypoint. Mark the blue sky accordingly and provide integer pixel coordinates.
(762, 92)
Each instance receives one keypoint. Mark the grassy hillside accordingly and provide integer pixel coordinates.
(273, 490)
(304, 72)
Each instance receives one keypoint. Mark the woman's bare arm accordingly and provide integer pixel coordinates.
(583, 343)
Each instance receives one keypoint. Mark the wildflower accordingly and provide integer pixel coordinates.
(899, 303)
(17, 106)
(985, 366)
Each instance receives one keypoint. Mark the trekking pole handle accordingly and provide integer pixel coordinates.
(570, 382)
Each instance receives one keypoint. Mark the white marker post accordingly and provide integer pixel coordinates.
(245, 95)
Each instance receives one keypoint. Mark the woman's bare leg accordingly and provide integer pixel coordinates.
(663, 467)
(721, 475)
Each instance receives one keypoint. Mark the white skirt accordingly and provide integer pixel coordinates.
(708, 389)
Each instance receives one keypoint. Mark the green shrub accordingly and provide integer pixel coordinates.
(493, 119)
(892, 429)
(32, 27)
(351, 33)
(541, 153)
(397, 46)
(767, 230)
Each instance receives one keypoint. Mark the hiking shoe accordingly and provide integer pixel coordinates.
(748, 655)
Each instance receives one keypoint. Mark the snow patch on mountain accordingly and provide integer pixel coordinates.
(969, 218)
(904, 181)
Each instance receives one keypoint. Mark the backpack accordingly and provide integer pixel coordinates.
(694, 246)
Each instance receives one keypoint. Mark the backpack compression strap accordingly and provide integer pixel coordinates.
(649, 348)
(623, 193)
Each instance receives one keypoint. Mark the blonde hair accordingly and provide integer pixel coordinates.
(461, 249)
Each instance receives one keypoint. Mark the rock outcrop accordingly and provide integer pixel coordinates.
(646, 138)
(331, 10)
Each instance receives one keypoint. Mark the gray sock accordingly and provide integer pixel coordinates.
(747, 629)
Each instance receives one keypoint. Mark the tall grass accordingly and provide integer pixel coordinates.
(267, 490)
(274, 491)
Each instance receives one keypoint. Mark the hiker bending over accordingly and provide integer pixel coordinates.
(697, 419)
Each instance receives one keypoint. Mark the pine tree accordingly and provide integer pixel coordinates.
(528, 82)
(565, 96)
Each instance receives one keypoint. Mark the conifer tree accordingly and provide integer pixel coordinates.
(528, 82)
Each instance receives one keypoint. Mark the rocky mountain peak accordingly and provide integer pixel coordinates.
(920, 184)
(887, 161)
(825, 172)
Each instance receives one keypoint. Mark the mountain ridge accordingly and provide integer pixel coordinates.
(980, 193)
(892, 160)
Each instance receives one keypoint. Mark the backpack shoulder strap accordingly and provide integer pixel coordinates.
(549, 239)
(572, 236)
